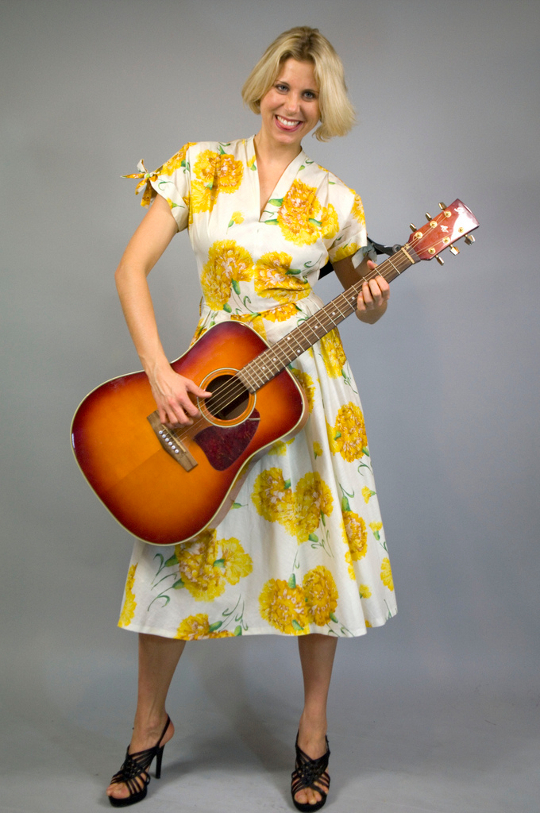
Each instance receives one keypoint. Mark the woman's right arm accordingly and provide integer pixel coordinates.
(169, 389)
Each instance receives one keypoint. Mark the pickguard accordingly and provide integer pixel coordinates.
(223, 445)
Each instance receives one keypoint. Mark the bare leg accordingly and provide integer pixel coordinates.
(158, 658)
(317, 659)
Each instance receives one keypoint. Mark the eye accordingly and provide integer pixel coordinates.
(281, 87)
(310, 94)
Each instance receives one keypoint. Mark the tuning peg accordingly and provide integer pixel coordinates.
(439, 259)
(454, 250)
(428, 217)
(469, 239)
(442, 205)
(412, 227)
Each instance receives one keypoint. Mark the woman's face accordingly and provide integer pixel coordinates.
(290, 109)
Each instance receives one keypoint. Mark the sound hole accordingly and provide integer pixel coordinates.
(230, 398)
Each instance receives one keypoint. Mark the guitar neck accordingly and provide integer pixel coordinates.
(272, 361)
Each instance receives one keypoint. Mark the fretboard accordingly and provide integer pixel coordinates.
(269, 363)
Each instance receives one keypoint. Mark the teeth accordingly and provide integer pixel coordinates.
(287, 122)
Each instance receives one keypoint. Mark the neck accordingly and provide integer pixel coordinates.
(274, 153)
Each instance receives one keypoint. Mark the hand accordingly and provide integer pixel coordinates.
(373, 298)
(171, 393)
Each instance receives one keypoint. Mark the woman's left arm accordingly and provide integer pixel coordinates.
(373, 298)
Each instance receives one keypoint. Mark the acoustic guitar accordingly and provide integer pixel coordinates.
(168, 484)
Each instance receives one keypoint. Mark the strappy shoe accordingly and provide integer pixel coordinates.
(134, 771)
(310, 773)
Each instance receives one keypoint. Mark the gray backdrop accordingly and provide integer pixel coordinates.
(436, 711)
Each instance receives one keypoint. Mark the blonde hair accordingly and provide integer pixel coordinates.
(306, 45)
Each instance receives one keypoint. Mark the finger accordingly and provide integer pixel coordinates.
(192, 387)
(375, 293)
(367, 295)
(384, 286)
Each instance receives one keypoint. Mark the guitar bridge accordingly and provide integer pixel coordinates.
(170, 443)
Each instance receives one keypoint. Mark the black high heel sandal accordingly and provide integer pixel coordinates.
(310, 773)
(135, 770)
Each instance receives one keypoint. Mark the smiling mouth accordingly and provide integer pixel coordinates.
(287, 124)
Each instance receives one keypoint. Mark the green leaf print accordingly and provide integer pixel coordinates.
(236, 286)
(296, 625)
(215, 626)
(294, 271)
(314, 222)
(271, 223)
(178, 584)
(334, 619)
(287, 484)
(219, 563)
(172, 561)
(275, 201)
(337, 435)
(345, 504)
(238, 505)
(313, 538)
(366, 451)
(209, 185)
(227, 307)
(238, 630)
(292, 582)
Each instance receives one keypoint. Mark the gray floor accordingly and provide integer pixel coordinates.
(416, 744)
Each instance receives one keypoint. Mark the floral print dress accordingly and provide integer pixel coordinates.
(303, 549)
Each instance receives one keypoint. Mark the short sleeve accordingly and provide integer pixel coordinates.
(352, 235)
(172, 181)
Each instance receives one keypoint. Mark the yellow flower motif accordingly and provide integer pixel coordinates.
(254, 320)
(317, 451)
(230, 175)
(355, 530)
(306, 382)
(272, 499)
(281, 313)
(386, 573)
(368, 624)
(176, 161)
(364, 591)
(329, 222)
(367, 493)
(193, 627)
(206, 564)
(280, 447)
(272, 280)
(321, 595)
(348, 559)
(203, 197)
(284, 607)
(128, 610)
(376, 528)
(358, 210)
(227, 261)
(345, 251)
(348, 436)
(196, 567)
(205, 167)
(333, 353)
(297, 216)
(198, 626)
(237, 563)
(251, 163)
(236, 217)
(312, 497)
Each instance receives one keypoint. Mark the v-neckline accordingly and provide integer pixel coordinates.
(290, 170)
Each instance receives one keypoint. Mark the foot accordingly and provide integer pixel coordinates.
(312, 741)
(143, 737)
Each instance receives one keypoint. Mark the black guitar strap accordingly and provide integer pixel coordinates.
(372, 251)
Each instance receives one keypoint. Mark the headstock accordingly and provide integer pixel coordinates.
(440, 232)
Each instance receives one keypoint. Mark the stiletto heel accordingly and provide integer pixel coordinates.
(134, 771)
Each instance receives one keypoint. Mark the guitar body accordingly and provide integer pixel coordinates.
(168, 497)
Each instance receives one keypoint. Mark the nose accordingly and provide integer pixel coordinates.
(292, 102)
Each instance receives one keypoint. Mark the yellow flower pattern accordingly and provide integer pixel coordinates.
(227, 261)
(348, 436)
(321, 595)
(284, 607)
(386, 574)
(333, 353)
(292, 556)
(128, 610)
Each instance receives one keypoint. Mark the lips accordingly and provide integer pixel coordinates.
(289, 125)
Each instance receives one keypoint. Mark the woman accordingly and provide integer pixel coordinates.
(303, 551)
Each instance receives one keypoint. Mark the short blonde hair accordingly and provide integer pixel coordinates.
(306, 45)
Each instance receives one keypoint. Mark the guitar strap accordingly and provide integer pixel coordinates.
(372, 251)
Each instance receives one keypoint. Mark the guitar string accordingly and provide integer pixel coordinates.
(234, 388)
